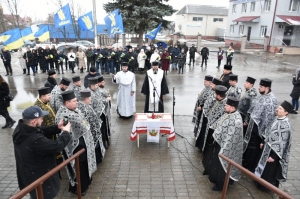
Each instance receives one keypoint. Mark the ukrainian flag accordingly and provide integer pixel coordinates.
(43, 34)
(27, 34)
(15, 40)
(6, 35)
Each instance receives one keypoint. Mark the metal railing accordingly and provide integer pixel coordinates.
(261, 181)
(37, 185)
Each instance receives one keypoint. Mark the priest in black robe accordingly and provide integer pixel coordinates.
(228, 141)
(274, 161)
(155, 78)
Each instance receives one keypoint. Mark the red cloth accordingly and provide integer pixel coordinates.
(165, 62)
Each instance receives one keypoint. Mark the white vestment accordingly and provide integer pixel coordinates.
(156, 79)
(125, 101)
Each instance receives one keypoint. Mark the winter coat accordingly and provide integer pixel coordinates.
(30, 58)
(4, 91)
(193, 50)
(35, 155)
(204, 52)
(6, 56)
(296, 89)
(185, 48)
(51, 83)
(165, 63)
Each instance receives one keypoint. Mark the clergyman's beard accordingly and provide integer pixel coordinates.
(262, 93)
(101, 86)
(62, 89)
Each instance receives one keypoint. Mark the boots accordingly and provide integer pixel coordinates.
(24, 71)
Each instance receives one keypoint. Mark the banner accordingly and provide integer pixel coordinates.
(27, 34)
(6, 35)
(153, 132)
(114, 23)
(63, 17)
(43, 34)
(15, 40)
(86, 22)
(152, 34)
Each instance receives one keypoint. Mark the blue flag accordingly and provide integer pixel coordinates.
(63, 17)
(15, 41)
(86, 22)
(27, 34)
(152, 34)
(114, 23)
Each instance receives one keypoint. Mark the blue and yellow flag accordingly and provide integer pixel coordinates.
(152, 34)
(27, 34)
(15, 40)
(6, 35)
(63, 17)
(86, 22)
(114, 23)
(43, 33)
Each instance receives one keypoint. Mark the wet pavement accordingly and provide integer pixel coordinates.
(154, 170)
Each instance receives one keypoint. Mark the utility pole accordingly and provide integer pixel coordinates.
(95, 23)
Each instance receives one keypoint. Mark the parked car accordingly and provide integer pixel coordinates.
(74, 46)
(85, 43)
(29, 44)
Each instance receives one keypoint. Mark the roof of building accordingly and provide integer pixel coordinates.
(291, 20)
(246, 19)
(203, 10)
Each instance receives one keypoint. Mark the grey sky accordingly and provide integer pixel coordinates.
(39, 9)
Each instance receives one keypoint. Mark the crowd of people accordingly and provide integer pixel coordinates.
(64, 119)
(108, 59)
(245, 125)
(249, 128)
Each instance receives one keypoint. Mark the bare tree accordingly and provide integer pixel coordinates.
(59, 4)
(14, 8)
(76, 11)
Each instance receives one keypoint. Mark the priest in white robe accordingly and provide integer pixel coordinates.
(155, 78)
(127, 91)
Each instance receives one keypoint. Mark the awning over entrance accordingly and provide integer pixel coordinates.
(247, 19)
(291, 20)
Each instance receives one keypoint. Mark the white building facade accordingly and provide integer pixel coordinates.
(277, 19)
(192, 20)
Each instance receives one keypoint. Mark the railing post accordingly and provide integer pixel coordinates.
(39, 191)
(78, 177)
(225, 186)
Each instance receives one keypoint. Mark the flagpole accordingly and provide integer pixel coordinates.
(95, 23)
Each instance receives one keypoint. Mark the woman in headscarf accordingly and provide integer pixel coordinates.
(22, 60)
(296, 91)
(141, 60)
(165, 61)
(155, 56)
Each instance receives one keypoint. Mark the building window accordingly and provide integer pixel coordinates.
(218, 19)
(267, 5)
(244, 7)
(294, 5)
(241, 29)
(179, 27)
(263, 31)
(252, 9)
(234, 9)
(231, 29)
(197, 18)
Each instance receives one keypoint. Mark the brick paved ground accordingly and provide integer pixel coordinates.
(154, 170)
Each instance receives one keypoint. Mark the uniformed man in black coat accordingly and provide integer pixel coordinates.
(193, 51)
(35, 151)
(225, 76)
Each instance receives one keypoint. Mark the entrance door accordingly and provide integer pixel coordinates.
(288, 33)
(249, 33)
